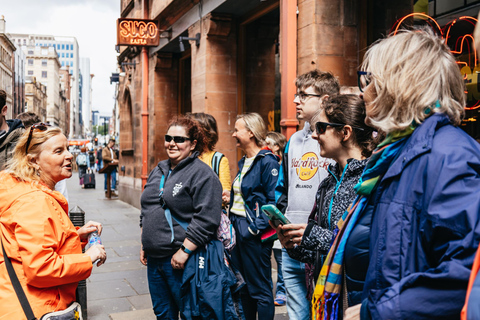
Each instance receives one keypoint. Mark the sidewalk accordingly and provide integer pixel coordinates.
(118, 290)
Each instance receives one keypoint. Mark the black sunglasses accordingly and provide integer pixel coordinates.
(321, 127)
(40, 126)
(176, 139)
(364, 79)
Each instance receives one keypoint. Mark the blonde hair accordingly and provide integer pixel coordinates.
(255, 124)
(20, 164)
(414, 75)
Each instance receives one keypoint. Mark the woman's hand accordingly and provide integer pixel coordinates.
(143, 257)
(353, 313)
(88, 228)
(226, 196)
(179, 259)
(291, 234)
(97, 252)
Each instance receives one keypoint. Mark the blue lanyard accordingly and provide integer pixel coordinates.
(333, 196)
(168, 214)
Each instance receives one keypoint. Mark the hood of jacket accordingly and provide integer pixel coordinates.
(13, 132)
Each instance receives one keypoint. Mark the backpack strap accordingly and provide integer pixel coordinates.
(217, 157)
(168, 214)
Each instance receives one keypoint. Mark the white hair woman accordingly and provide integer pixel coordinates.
(253, 187)
(421, 186)
(41, 242)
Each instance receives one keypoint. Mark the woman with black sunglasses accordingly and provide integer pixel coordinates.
(41, 242)
(181, 191)
(343, 136)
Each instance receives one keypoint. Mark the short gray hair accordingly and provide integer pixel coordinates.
(414, 75)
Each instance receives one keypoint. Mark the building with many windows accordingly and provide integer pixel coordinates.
(36, 97)
(86, 93)
(43, 64)
(7, 49)
(68, 54)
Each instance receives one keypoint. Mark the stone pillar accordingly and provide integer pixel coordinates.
(214, 78)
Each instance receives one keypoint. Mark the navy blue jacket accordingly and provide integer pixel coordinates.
(425, 226)
(258, 188)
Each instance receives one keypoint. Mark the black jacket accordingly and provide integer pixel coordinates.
(193, 193)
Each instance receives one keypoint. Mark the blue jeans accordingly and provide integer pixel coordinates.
(298, 307)
(164, 284)
(277, 254)
(114, 179)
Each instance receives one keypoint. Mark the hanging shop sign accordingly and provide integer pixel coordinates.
(458, 36)
(137, 32)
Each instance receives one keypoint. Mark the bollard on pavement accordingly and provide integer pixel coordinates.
(77, 216)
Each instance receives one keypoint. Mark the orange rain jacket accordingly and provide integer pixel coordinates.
(42, 244)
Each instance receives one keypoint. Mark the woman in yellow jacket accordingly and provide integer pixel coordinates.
(42, 244)
(216, 160)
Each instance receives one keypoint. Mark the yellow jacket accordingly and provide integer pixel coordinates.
(42, 244)
(224, 174)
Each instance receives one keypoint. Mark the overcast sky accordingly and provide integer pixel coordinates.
(92, 22)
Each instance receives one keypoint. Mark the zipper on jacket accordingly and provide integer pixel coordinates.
(245, 202)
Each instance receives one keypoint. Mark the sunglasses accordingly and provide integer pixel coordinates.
(364, 79)
(40, 126)
(321, 127)
(176, 139)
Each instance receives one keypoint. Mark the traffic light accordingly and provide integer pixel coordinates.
(96, 141)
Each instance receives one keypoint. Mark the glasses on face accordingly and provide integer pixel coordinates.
(321, 127)
(40, 126)
(304, 96)
(364, 79)
(176, 139)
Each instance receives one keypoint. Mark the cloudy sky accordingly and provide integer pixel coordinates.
(92, 22)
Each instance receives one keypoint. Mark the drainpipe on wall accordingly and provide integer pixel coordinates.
(144, 105)
(288, 56)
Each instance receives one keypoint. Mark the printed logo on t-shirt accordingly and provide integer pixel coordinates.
(307, 166)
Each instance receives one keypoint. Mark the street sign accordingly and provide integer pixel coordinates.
(137, 32)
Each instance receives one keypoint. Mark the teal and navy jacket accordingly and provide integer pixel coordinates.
(258, 189)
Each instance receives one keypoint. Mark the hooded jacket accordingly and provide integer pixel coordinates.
(301, 173)
(425, 226)
(258, 189)
(43, 246)
(193, 194)
(8, 141)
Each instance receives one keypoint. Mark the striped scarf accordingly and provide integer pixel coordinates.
(326, 301)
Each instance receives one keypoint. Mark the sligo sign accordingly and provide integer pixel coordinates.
(137, 32)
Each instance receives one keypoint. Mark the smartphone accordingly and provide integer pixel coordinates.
(274, 215)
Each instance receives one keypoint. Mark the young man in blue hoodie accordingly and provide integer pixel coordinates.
(302, 171)
(10, 131)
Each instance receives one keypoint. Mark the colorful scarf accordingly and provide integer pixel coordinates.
(326, 297)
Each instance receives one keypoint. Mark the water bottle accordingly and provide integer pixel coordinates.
(93, 239)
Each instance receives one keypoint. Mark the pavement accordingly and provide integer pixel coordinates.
(118, 290)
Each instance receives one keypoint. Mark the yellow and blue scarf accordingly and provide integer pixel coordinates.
(326, 297)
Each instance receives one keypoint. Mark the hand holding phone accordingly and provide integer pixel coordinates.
(275, 215)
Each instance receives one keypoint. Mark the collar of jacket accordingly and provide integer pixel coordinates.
(164, 166)
(262, 153)
(353, 166)
(420, 142)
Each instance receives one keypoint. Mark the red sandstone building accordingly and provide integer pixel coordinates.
(245, 59)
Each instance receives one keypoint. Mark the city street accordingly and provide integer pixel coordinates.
(118, 290)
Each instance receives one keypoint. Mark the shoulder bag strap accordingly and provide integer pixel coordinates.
(17, 286)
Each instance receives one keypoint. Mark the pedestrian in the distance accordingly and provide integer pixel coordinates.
(99, 164)
(109, 156)
(191, 195)
(41, 242)
(83, 163)
(253, 187)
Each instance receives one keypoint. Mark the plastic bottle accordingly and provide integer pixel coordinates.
(93, 239)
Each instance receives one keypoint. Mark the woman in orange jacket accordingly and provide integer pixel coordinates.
(43, 246)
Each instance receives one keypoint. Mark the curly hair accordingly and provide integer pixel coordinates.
(209, 126)
(414, 75)
(193, 131)
(20, 165)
